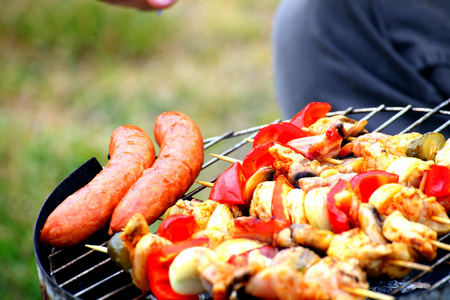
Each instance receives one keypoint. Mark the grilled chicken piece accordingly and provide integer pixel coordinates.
(397, 228)
(443, 155)
(357, 146)
(283, 278)
(410, 170)
(372, 257)
(216, 275)
(319, 146)
(215, 237)
(283, 282)
(333, 274)
(201, 210)
(371, 223)
(135, 229)
(412, 203)
(345, 126)
(300, 274)
(379, 155)
(305, 235)
(398, 144)
(309, 183)
(299, 257)
(347, 166)
(294, 165)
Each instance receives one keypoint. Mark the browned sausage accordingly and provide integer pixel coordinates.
(177, 166)
(90, 208)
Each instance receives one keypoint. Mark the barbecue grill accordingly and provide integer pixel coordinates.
(81, 273)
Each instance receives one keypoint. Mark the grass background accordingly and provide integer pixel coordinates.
(73, 71)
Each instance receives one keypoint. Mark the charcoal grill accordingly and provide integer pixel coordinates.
(81, 273)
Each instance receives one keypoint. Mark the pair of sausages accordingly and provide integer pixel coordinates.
(179, 162)
(131, 182)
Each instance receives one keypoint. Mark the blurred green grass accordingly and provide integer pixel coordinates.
(73, 71)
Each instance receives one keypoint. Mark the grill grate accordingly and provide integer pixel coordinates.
(81, 273)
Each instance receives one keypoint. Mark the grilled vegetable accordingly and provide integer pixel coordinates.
(158, 267)
(220, 218)
(118, 252)
(229, 187)
(426, 146)
(183, 272)
(364, 184)
(316, 208)
(342, 205)
(178, 227)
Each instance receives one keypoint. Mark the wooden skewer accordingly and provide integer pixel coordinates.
(441, 220)
(331, 160)
(355, 291)
(411, 265)
(226, 158)
(205, 183)
(98, 248)
(367, 293)
(249, 140)
(440, 245)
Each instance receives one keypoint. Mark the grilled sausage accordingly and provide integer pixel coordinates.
(89, 209)
(177, 166)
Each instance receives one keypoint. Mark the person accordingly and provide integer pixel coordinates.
(362, 54)
(143, 4)
(358, 53)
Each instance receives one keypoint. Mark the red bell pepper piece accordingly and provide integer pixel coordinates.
(310, 114)
(229, 187)
(338, 212)
(364, 184)
(438, 181)
(178, 227)
(257, 158)
(158, 263)
(281, 189)
(280, 132)
(257, 229)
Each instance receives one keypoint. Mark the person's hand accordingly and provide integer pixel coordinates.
(143, 4)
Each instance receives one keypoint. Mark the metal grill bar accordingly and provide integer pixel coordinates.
(393, 119)
(72, 261)
(85, 272)
(101, 282)
(366, 113)
(423, 273)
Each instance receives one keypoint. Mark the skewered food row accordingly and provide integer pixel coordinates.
(232, 243)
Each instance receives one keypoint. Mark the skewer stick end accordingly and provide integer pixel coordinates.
(97, 248)
(226, 158)
(205, 183)
(367, 293)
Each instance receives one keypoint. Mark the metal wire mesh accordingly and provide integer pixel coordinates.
(88, 274)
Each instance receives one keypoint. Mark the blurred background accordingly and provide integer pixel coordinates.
(73, 71)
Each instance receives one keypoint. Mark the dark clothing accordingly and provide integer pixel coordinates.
(362, 53)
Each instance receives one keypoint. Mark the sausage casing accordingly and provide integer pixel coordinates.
(90, 208)
(178, 164)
